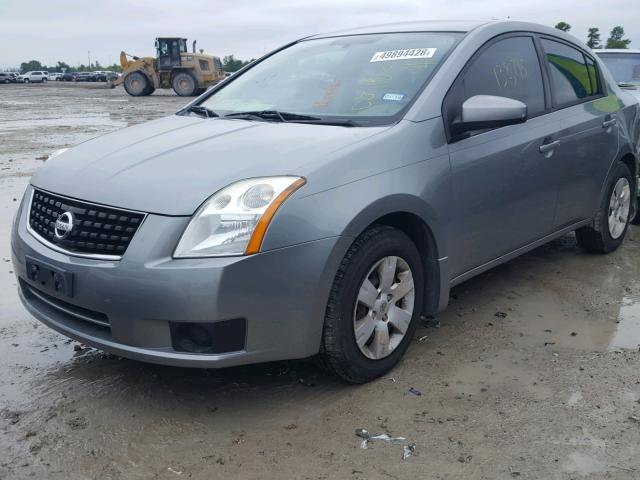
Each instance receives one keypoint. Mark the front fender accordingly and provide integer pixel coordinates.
(421, 188)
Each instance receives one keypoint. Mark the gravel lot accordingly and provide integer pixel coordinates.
(532, 372)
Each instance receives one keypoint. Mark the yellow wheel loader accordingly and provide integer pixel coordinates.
(188, 73)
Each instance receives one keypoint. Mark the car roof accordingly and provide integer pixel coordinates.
(616, 50)
(413, 26)
(462, 26)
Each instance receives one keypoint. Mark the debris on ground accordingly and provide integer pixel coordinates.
(415, 392)
(407, 450)
(500, 315)
(422, 339)
(430, 322)
(174, 471)
(77, 423)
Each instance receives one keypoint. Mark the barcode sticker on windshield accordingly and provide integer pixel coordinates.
(405, 54)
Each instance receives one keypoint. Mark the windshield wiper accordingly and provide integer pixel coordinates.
(336, 123)
(628, 85)
(273, 115)
(204, 111)
(277, 116)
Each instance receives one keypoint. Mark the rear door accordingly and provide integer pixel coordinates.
(503, 186)
(589, 133)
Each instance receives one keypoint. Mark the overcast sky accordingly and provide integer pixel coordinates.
(52, 30)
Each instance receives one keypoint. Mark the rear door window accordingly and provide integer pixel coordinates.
(571, 79)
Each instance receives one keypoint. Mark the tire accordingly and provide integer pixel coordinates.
(602, 235)
(137, 84)
(636, 219)
(340, 352)
(184, 84)
(44, 80)
(26, 80)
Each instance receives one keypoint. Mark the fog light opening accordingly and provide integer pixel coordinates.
(209, 338)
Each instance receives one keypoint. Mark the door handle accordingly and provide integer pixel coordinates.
(547, 147)
(609, 123)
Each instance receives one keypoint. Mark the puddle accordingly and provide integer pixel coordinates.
(628, 331)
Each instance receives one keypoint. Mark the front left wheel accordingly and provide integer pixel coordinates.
(374, 305)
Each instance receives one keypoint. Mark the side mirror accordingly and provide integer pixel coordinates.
(488, 111)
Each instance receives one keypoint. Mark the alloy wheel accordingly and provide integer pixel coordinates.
(384, 307)
(619, 208)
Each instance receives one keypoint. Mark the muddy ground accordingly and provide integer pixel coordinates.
(532, 373)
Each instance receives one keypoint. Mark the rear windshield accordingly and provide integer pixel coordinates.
(368, 79)
(625, 67)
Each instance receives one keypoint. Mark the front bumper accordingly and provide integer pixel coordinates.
(281, 294)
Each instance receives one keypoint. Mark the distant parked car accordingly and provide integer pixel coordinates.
(55, 76)
(33, 77)
(85, 77)
(7, 78)
(624, 65)
(68, 77)
(46, 74)
(105, 76)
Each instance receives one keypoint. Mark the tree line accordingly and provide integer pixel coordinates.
(616, 37)
(229, 64)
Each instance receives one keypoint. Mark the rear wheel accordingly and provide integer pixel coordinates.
(137, 84)
(607, 230)
(375, 301)
(184, 84)
(44, 80)
(26, 80)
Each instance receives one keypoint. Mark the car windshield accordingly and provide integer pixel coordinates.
(625, 67)
(362, 79)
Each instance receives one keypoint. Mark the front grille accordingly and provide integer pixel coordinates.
(97, 230)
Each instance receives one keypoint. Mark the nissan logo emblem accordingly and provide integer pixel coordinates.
(64, 225)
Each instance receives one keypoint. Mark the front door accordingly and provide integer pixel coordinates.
(504, 190)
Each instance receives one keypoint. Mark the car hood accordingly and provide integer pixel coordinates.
(634, 91)
(171, 165)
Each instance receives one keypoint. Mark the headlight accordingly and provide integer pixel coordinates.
(234, 220)
(57, 152)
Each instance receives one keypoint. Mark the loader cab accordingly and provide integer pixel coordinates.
(168, 52)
